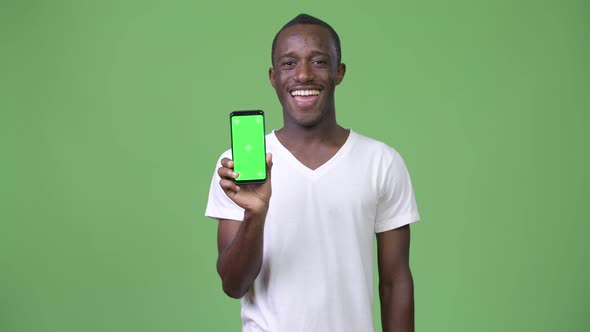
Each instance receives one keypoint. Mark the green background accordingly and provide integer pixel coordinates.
(113, 114)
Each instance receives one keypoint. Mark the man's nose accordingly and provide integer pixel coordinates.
(304, 73)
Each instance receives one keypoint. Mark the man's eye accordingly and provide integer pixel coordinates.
(288, 63)
(320, 62)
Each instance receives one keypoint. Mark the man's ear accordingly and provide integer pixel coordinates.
(340, 73)
(271, 76)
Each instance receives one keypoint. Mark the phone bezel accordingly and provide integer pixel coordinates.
(242, 113)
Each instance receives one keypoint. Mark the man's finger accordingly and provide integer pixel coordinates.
(227, 163)
(228, 186)
(226, 173)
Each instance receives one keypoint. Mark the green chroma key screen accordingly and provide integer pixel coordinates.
(248, 147)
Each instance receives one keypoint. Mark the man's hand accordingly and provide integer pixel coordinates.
(254, 198)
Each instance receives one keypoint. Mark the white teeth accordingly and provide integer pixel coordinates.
(305, 92)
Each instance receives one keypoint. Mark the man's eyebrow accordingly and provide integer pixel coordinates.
(319, 53)
(288, 55)
(294, 55)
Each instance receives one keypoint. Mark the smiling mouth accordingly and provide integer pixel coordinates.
(305, 93)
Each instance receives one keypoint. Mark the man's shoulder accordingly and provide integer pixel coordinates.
(373, 146)
(225, 154)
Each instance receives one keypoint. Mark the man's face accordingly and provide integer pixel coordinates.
(305, 73)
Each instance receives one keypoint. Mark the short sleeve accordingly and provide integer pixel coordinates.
(397, 204)
(219, 206)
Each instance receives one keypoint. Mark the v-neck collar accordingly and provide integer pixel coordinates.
(322, 169)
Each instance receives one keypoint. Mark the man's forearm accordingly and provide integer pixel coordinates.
(239, 263)
(397, 305)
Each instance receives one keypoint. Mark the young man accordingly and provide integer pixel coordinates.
(298, 249)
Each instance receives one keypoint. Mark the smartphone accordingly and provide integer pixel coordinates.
(248, 146)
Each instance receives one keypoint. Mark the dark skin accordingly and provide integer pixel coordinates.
(305, 60)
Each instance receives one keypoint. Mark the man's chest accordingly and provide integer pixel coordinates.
(345, 190)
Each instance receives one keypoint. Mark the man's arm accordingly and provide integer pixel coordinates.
(240, 253)
(396, 287)
(240, 243)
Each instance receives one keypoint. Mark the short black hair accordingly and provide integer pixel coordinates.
(308, 19)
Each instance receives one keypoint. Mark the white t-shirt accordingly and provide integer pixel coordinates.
(317, 268)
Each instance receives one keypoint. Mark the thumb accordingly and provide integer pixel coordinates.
(269, 164)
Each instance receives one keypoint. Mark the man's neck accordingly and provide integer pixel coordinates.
(313, 147)
(297, 136)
